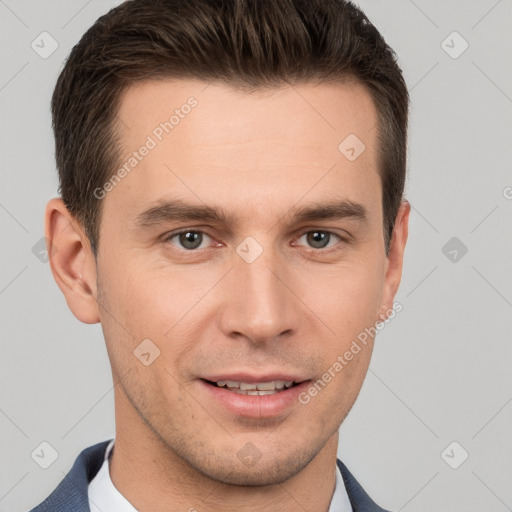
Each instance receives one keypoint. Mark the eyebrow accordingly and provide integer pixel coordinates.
(331, 210)
(178, 210)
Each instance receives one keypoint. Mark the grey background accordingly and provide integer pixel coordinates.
(441, 369)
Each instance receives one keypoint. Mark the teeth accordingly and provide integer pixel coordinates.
(258, 388)
(269, 386)
(247, 387)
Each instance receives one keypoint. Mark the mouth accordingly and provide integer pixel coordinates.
(252, 396)
(254, 388)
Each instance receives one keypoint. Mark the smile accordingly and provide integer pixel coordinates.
(258, 399)
(255, 388)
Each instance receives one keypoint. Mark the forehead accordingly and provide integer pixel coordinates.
(213, 141)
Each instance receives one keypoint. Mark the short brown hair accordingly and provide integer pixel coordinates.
(245, 43)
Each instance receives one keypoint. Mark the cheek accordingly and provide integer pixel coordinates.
(147, 301)
(346, 297)
(159, 305)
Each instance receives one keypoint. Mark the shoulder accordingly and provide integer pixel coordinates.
(72, 492)
(359, 498)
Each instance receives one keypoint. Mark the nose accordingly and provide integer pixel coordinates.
(258, 303)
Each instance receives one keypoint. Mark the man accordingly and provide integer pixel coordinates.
(231, 177)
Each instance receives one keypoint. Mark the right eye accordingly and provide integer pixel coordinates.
(188, 239)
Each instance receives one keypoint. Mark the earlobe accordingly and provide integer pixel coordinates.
(71, 261)
(394, 261)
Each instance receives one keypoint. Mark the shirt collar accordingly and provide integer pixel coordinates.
(104, 496)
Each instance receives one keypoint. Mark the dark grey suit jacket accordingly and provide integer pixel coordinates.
(71, 494)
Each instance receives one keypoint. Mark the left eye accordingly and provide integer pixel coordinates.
(320, 239)
(189, 240)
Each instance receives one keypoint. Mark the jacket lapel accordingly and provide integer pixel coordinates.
(358, 497)
(72, 492)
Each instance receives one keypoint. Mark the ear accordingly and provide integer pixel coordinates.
(395, 258)
(71, 260)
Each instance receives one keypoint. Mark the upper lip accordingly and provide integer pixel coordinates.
(252, 378)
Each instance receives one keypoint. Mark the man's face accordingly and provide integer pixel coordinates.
(264, 293)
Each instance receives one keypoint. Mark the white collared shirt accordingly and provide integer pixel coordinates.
(104, 496)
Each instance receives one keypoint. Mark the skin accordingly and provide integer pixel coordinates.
(296, 308)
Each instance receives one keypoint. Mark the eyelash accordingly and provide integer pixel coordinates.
(326, 250)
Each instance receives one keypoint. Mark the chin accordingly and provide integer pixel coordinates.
(266, 468)
(270, 473)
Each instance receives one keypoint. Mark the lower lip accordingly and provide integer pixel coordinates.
(256, 406)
